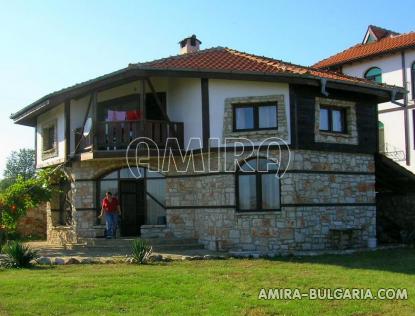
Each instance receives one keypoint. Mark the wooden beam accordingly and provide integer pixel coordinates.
(94, 118)
(159, 104)
(36, 149)
(205, 112)
(84, 122)
(67, 128)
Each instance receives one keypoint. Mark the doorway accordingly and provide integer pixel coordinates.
(133, 210)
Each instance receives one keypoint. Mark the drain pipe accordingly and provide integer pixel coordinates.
(323, 83)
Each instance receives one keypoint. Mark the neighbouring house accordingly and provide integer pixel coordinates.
(386, 56)
(322, 198)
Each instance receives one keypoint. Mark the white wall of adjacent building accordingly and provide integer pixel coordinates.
(394, 128)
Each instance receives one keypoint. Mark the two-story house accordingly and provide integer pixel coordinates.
(386, 56)
(321, 191)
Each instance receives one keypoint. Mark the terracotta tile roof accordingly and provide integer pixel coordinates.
(360, 51)
(214, 60)
(222, 59)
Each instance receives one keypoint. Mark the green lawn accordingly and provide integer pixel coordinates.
(223, 287)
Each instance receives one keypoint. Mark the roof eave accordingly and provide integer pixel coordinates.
(27, 116)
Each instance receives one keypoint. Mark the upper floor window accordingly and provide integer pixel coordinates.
(374, 74)
(413, 80)
(333, 119)
(258, 186)
(48, 137)
(49, 140)
(256, 116)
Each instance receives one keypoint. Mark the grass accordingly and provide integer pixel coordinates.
(223, 287)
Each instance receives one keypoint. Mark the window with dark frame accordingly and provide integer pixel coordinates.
(374, 74)
(255, 116)
(48, 138)
(258, 186)
(333, 120)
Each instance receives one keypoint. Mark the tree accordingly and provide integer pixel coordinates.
(20, 163)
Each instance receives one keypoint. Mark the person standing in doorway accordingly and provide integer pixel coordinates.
(111, 208)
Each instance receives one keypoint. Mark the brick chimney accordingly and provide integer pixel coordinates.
(189, 45)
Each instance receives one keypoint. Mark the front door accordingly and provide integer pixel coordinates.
(132, 206)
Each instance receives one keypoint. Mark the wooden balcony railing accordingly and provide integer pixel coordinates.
(118, 135)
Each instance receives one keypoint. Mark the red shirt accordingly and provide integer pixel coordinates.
(110, 206)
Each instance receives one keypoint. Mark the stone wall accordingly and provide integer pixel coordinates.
(33, 224)
(320, 193)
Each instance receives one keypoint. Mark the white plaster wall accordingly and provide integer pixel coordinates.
(56, 114)
(219, 90)
(391, 66)
(184, 104)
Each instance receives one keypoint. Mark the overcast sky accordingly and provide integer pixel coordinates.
(49, 45)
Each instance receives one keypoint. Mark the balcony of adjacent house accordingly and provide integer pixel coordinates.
(118, 123)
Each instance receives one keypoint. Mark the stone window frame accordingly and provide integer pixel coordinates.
(50, 152)
(350, 136)
(256, 135)
(256, 121)
(258, 187)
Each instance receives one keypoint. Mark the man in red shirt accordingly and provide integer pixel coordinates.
(112, 209)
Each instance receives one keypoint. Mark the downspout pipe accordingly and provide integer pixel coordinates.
(323, 83)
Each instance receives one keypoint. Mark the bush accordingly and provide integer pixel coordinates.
(141, 251)
(18, 255)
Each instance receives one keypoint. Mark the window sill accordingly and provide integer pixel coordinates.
(343, 135)
(50, 153)
(259, 212)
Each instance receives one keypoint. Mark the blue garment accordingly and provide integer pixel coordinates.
(111, 220)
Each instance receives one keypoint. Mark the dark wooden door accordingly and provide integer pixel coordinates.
(132, 206)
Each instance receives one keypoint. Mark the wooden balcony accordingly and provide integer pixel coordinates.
(116, 136)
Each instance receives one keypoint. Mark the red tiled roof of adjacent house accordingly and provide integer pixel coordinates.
(222, 59)
(381, 32)
(360, 51)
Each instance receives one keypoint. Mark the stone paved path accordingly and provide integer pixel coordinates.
(79, 251)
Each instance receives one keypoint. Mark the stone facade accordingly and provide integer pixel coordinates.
(351, 137)
(256, 136)
(321, 193)
(33, 224)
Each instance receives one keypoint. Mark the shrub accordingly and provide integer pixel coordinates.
(18, 255)
(408, 236)
(141, 251)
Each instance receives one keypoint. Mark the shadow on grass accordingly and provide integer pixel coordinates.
(391, 260)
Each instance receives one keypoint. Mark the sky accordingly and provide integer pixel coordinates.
(48, 45)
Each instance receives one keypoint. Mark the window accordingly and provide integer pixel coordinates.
(258, 186)
(374, 74)
(48, 137)
(413, 80)
(257, 116)
(333, 120)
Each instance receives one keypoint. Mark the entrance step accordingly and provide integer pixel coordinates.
(126, 243)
